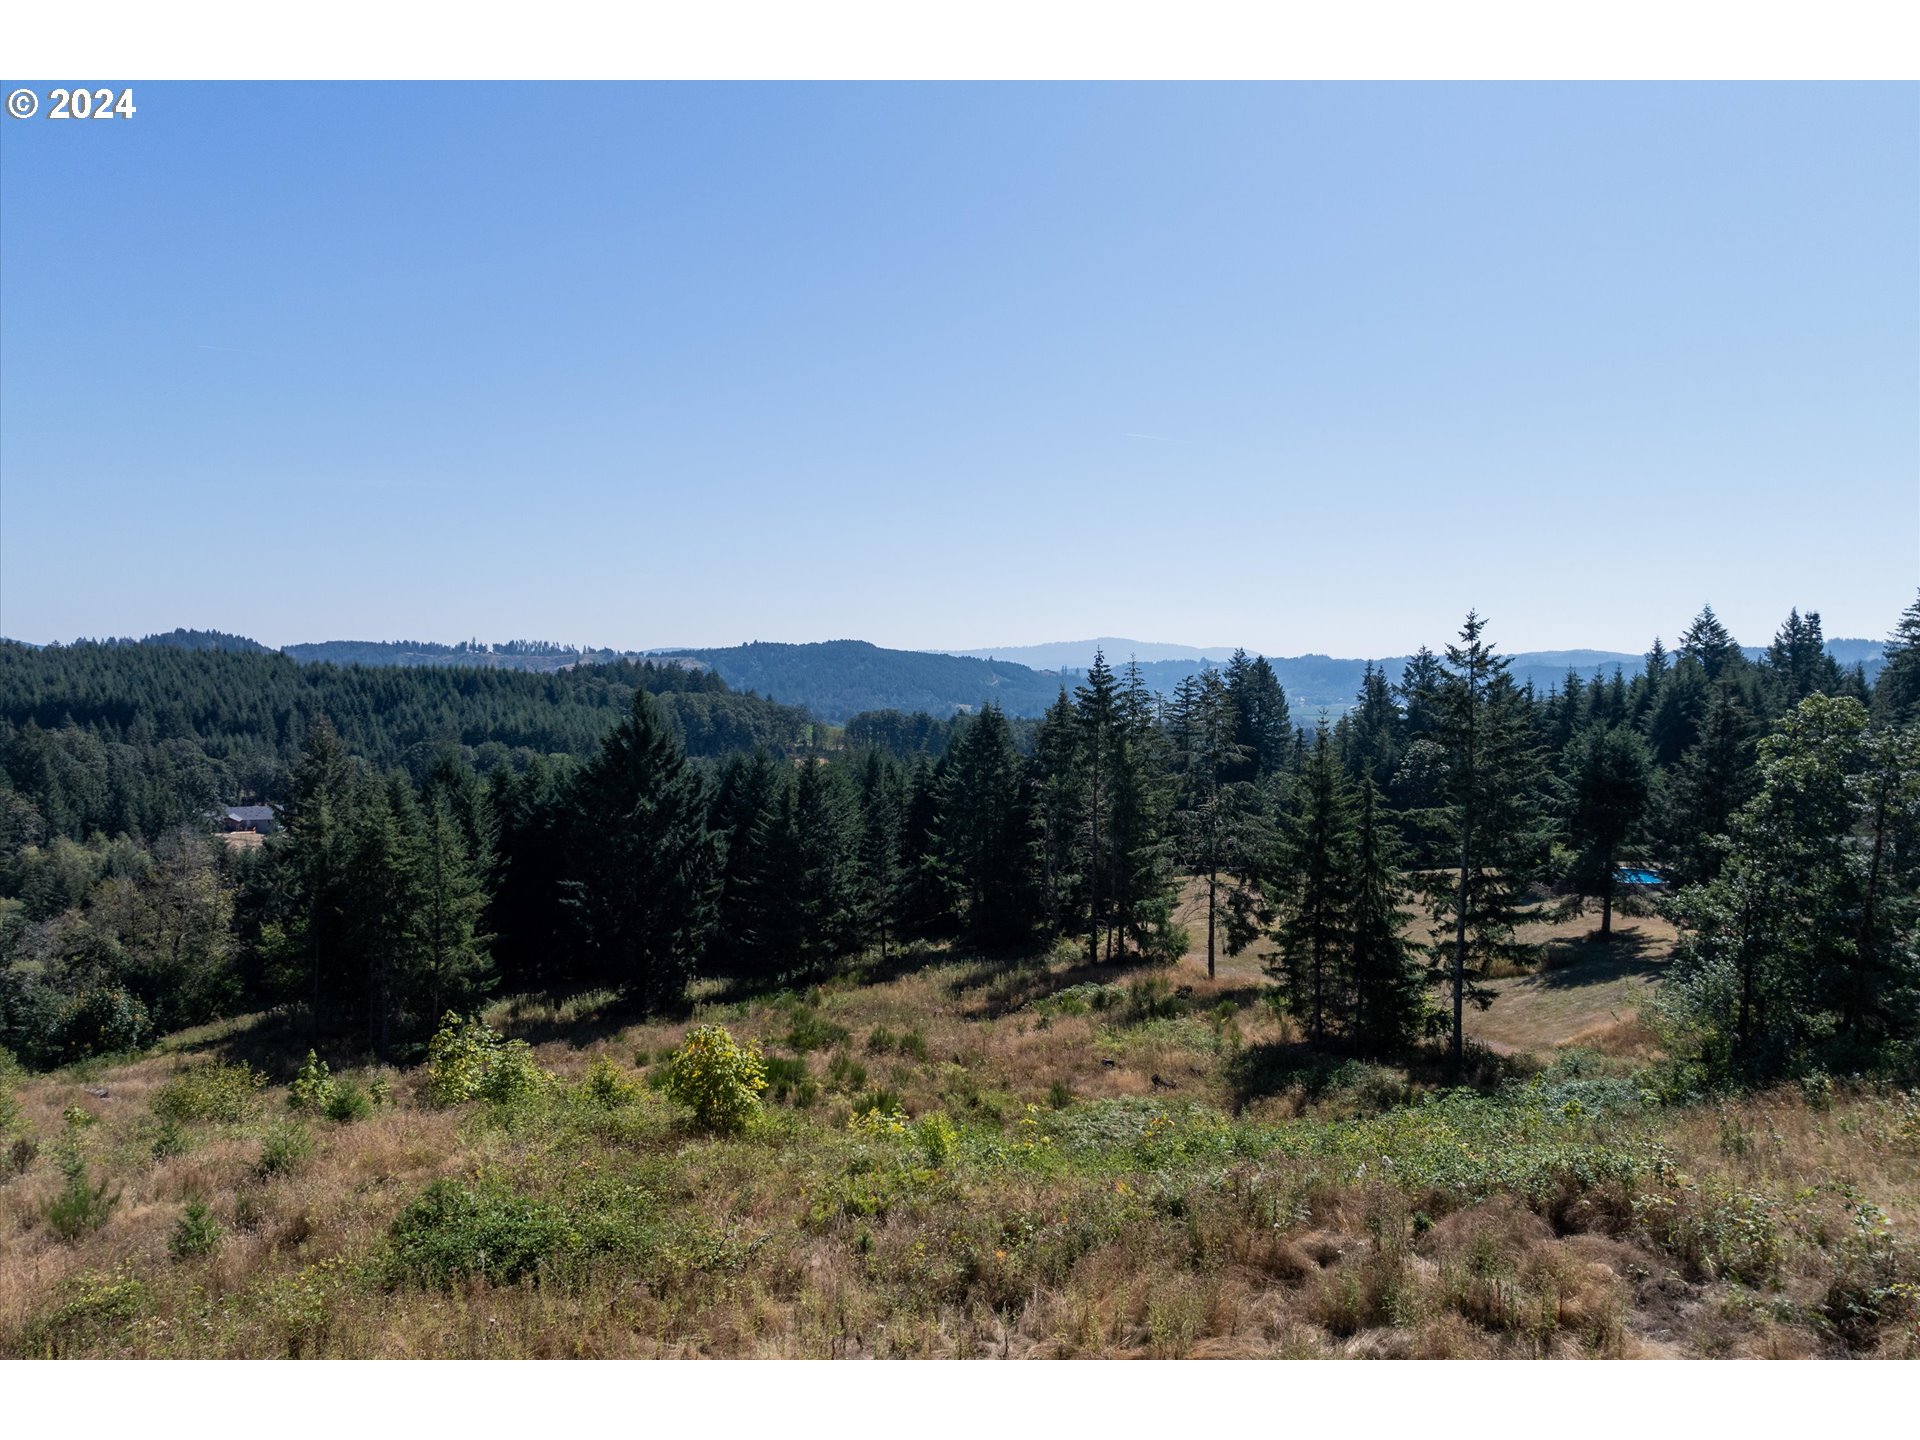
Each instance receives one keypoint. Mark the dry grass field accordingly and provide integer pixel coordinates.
(1057, 1160)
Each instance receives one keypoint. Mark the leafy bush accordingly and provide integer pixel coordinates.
(453, 1231)
(606, 1086)
(285, 1147)
(225, 1093)
(313, 1087)
(1714, 1229)
(348, 1103)
(105, 1022)
(717, 1079)
(937, 1136)
(468, 1061)
(195, 1234)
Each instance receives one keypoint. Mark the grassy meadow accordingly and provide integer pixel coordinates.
(960, 1156)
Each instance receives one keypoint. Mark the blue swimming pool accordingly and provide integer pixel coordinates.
(1637, 877)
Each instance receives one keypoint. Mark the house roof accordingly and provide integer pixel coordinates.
(250, 812)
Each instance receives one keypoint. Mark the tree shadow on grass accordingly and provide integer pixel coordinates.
(1313, 1075)
(1587, 960)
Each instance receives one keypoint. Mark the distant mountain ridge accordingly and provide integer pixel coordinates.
(837, 679)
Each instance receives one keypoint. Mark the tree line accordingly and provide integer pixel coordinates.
(1779, 799)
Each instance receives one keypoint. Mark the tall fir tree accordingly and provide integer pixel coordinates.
(645, 864)
(1492, 818)
(986, 840)
(1896, 692)
(1609, 778)
(1314, 895)
(1388, 983)
(1222, 837)
(883, 803)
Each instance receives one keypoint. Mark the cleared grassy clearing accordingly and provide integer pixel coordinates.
(1128, 1170)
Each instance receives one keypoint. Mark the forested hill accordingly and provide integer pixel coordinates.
(536, 655)
(135, 737)
(837, 679)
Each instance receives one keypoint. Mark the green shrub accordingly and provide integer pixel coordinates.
(937, 1136)
(195, 1234)
(21, 1154)
(225, 1093)
(1151, 998)
(81, 1207)
(453, 1231)
(170, 1138)
(249, 1209)
(846, 1073)
(348, 1103)
(883, 1098)
(880, 1040)
(789, 1079)
(1714, 1229)
(811, 1030)
(1059, 1095)
(717, 1079)
(105, 1022)
(380, 1092)
(606, 1087)
(285, 1147)
(467, 1061)
(913, 1045)
(312, 1088)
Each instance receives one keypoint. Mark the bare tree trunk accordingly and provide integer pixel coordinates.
(1460, 951)
(1212, 879)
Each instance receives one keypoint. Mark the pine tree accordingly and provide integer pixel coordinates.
(645, 863)
(986, 843)
(1896, 693)
(456, 967)
(1491, 818)
(527, 869)
(1055, 782)
(1374, 743)
(1708, 786)
(1707, 641)
(883, 799)
(1263, 724)
(1797, 661)
(1097, 713)
(1219, 818)
(744, 802)
(313, 851)
(1312, 959)
(1141, 860)
(1610, 776)
(1386, 978)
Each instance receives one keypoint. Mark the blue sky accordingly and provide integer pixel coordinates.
(1301, 367)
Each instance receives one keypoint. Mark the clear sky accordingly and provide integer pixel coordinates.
(1301, 367)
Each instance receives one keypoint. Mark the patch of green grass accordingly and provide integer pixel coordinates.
(229, 1094)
